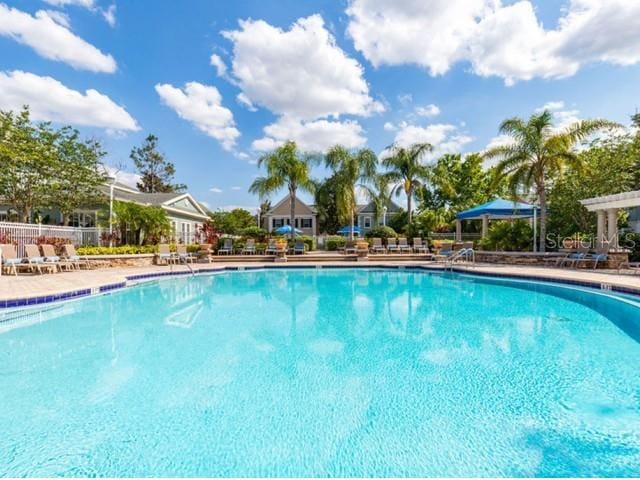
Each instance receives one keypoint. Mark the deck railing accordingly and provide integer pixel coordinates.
(26, 233)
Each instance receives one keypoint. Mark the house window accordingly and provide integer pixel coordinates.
(278, 222)
(306, 222)
(4, 216)
(367, 222)
(297, 223)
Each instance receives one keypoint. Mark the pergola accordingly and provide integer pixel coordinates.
(498, 209)
(606, 207)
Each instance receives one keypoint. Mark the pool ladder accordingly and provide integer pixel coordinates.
(464, 254)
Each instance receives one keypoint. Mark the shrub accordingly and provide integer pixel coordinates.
(5, 239)
(513, 236)
(257, 233)
(631, 241)
(308, 241)
(332, 243)
(130, 249)
(381, 232)
(398, 220)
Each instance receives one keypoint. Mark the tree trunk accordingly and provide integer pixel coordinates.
(409, 198)
(542, 195)
(292, 211)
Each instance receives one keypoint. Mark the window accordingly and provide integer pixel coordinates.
(277, 222)
(367, 222)
(307, 222)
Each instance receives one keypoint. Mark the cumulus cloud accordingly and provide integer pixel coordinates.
(245, 102)
(300, 72)
(51, 38)
(315, 135)
(216, 61)
(51, 100)
(430, 110)
(497, 39)
(445, 138)
(215, 190)
(127, 178)
(109, 15)
(389, 127)
(64, 3)
(202, 105)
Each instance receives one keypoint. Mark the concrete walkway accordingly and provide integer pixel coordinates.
(30, 286)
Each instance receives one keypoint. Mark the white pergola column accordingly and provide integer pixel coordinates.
(458, 230)
(485, 225)
(612, 227)
(600, 234)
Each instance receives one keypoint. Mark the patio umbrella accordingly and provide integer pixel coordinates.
(346, 230)
(286, 230)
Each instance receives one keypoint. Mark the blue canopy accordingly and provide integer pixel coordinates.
(346, 230)
(286, 230)
(499, 208)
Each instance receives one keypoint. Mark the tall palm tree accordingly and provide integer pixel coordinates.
(285, 166)
(352, 169)
(380, 194)
(406, 170)
(539, 152)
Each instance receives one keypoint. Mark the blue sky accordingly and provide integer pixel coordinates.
(363, 72)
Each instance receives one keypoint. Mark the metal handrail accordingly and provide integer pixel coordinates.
(468, 254)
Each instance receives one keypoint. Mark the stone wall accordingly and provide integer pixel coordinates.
(547, 258)
(111, 261)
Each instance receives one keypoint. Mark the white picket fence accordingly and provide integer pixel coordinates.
(26, 233)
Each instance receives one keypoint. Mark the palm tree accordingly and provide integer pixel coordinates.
(351, 169)
(538, 153)
(406, 170)
(285, 166)
(380, 194)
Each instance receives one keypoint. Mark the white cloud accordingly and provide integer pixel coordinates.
(504, 40)
(245, 102)
(51, 38)
(389, 127)
(430, 110)
(60, 18)
(562, 117)
(109, 15)
(315, 135)
(202, 105)
(445, 138)
(215, 190)
(51, 100)
(300, 72)
(216, 61)
(405, 99)
(128, 178)
(64, 3)
(236, 188)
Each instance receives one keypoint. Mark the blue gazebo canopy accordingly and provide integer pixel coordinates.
(499, 208)
(346, 230)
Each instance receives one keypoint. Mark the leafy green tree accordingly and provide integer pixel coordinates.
(27, 161)
(141, 224)
(156, 173)
(539, 153)
(328, 216)
(406, 170)
(234, 221)
(286, 167)
(79, 173)
(379, 192)
(611, 166)
(351, 169)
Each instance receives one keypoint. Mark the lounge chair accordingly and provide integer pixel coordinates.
(182, 256)
(49, 253)
(446, 250)
(349, 247)
(10, 260)
(633, 266)
(72, 256)
(392, 246)
(600, 255)
(37, 261)
(249, 247)
(227, 247)
(299, 247)
(403, 246)
(271, 248)
(573, 257)
(204, 252)
(376, 245)
(164, 254)
(419, 247)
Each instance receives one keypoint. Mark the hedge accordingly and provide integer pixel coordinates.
(129, 249)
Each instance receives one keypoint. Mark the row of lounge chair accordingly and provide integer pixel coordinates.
(41, 258)
(393, 246)
(250, 248)
(582, 256)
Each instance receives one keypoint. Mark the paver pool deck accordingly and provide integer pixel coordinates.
(32, 286)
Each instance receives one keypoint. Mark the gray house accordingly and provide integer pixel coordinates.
(280, 215)
(366, 217)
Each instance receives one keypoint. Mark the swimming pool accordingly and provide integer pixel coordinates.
(332, 372)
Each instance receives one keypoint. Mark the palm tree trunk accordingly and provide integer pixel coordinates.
(542, 195)
(292, 210)
(409, 198)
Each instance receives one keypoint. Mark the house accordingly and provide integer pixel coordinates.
(366, 217)
(280, 215)
(184, 212)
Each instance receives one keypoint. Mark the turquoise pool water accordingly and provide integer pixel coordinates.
(323, 372)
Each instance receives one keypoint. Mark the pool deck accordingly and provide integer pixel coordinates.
(35, 289)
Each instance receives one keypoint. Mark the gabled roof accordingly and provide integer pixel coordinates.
(392, 207)
(285, 200)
